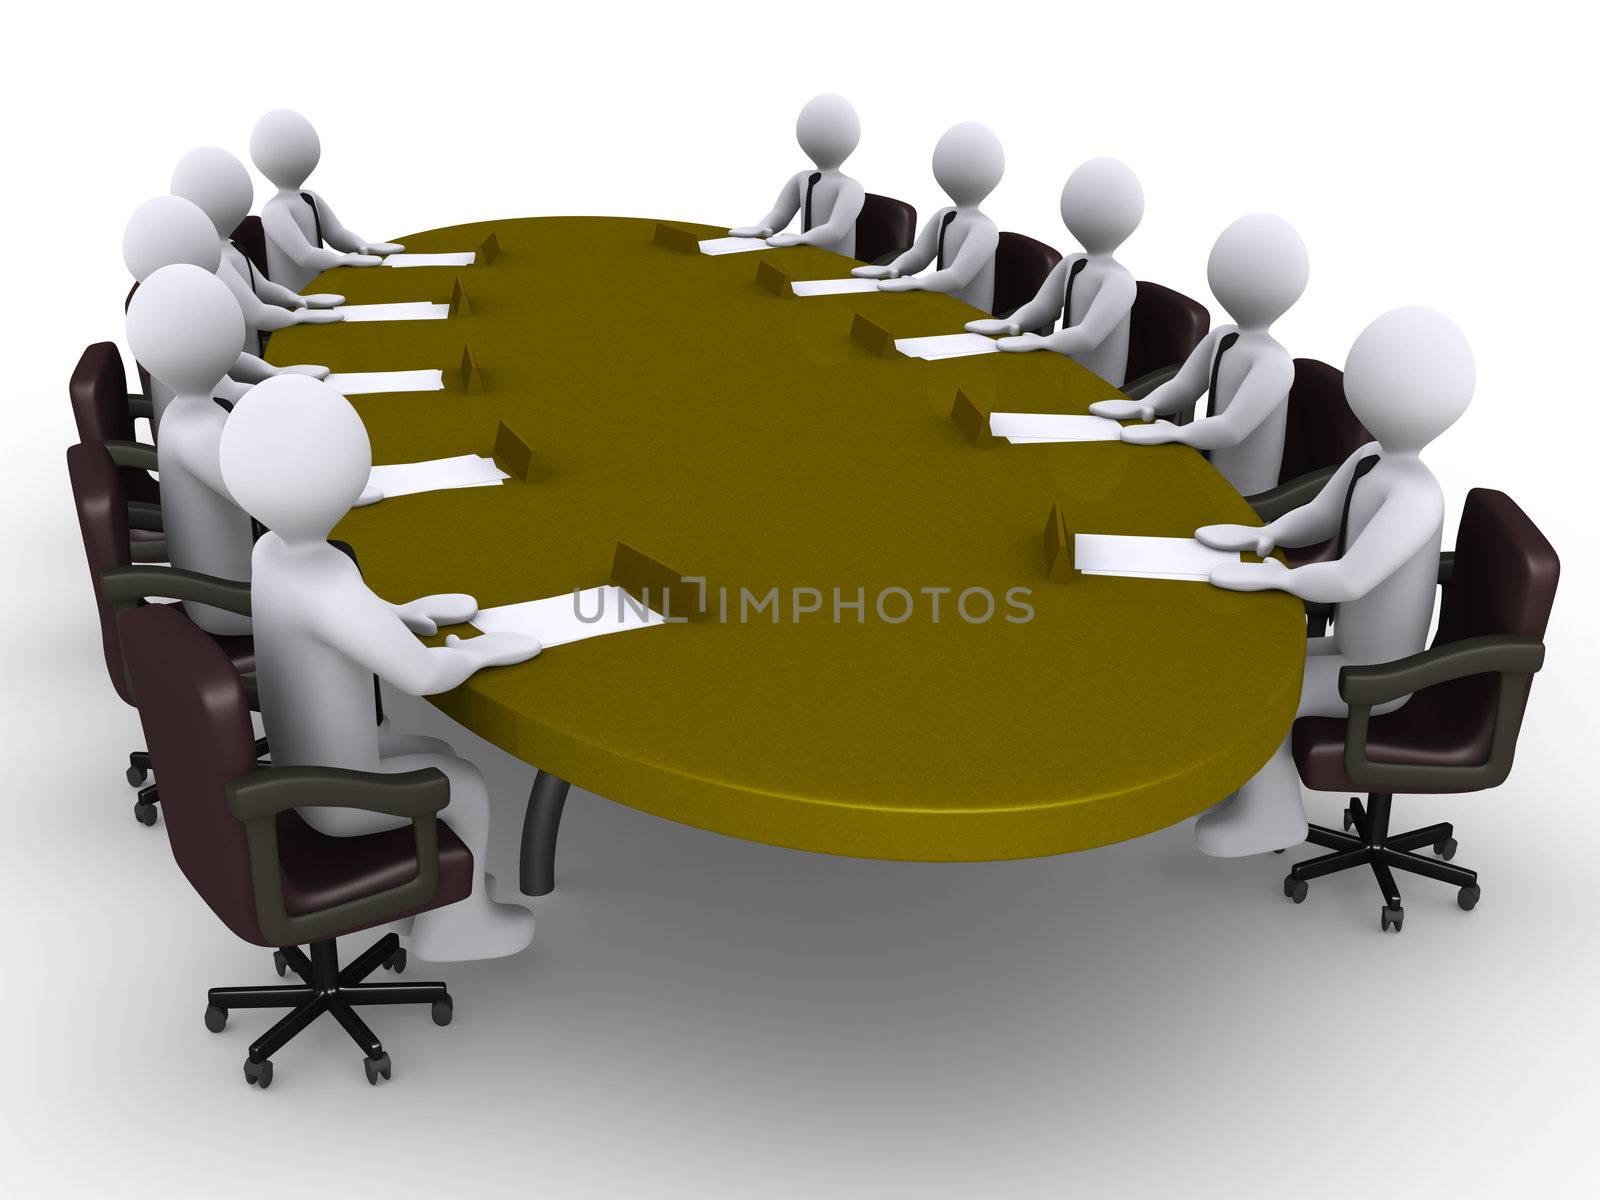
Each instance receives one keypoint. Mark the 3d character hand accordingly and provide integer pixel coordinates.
(750, 231)
(1021, 344)
(360, 260)
(424, 615)
(381, 247)
(311, 369)
(900, 283)
(1123, 410)
(994, 327)
(1250, 577)
(369, 495)
(786, 239)
(496, 649)
(874, 272)
(1150, 435)
(321, 300)
(317, 316)
(1252, 538)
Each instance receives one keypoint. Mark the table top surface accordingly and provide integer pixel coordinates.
(742, 436)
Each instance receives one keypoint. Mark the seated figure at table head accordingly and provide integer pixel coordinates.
(958, 241)
(184, 327)
(826, 200)
(1409, 377)
(169, 230)
(304, 237)
(297, 456)
(1101, 204)
(1257, 270)
(217, 183)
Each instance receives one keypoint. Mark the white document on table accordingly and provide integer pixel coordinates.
(361, 383)
(1053, 427)
(832, 287)
(1147, 557)
(464, 258)
(570, 617)
(732, 245)
(436, 475)
(421, 310)
(946, 345)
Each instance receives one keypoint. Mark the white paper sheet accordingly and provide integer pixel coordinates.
(1053, 427)
(732, 245)
(946, 345)
(570, 617)
(832, 287)
(361, 383)
(436, 475)
(463, 258)
(1147, 557)
(421, 310)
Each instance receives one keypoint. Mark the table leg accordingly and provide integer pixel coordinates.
(539, 830)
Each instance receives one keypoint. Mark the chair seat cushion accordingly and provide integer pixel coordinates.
(320, 870)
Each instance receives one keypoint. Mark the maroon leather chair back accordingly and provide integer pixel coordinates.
(1505, 574)
(103, 520)
(885, 225)
(1321, 431)
(99, 392)
(251, 238)
(197, 725)
(1164, 328)
(1021, 265)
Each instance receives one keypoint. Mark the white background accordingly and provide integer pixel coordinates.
(704, 1017)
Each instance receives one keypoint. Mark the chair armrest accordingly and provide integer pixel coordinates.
(258, 798)
(887, 257)
(146, 515)
(124, 587)
(1138, 389)
(1496, 655)
(132, 454)
(1447, 568)
(1286, 497)
(139, 405)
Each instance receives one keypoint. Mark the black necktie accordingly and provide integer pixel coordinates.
(1228, 339)
(943, 226)
(316, 217)
(805, 212)
(1362, 467)
(1066, 299)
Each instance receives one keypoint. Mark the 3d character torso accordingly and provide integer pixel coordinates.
(205, 530)
(1253, 464)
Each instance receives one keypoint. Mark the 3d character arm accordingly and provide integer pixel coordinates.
(1179, 392)
(783, 211)
(920, 254)
(1318, 520)
(424, 615)
(846, 208)
(287, 235)
(248, 370)
(351, 242)
(975, 253)
(1041, 310)
(1107, 310)
(277, 294)
(1263, 389)
(257, 314)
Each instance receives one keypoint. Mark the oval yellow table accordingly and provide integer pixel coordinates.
(739, 433)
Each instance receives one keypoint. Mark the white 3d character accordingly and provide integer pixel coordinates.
(1101, 204)
(1408, 378)
(827, 200)
(217, 183)
(296, 455)
(1257, 270)
(184, 326)
(959, 242)
(300, 225)
(169, 230)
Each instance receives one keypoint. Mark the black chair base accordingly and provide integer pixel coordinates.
(324, 988)
(1372, 845)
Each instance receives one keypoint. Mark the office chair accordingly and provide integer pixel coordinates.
(251, 240)
(103, 521)
(1458, 732)
(105, 412)
(885, 229)
(1163, 329)
(271, 878)
(1021, 266)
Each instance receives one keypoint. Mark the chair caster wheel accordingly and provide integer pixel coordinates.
(144, 812)
(216, 1018)
(376, 1067)
(1468, 897)
(1392, 918)
(396, 961)
(258, 1074)
(1445, 849)
(1295, 889)
(280, 964)
(136, 776)
(443, 1010)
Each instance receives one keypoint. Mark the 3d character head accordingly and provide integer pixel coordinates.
(1102, 204)
(218, 184)
(1258, 269)
(169, 230)
(968, 163)
(285, 148)
(828, 131)
(1409, 377)
(299, 429)
(185, 327)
